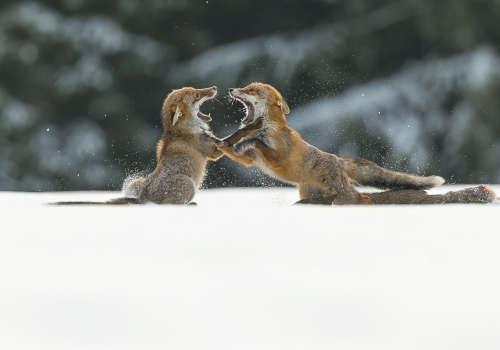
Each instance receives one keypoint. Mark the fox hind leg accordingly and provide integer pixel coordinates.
(132, 187)
(178, 189)
(336, 181)
(308, 191)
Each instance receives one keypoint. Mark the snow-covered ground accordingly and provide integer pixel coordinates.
(245, 270)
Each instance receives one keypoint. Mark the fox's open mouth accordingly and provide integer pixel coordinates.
(205, 117)
(249, 110)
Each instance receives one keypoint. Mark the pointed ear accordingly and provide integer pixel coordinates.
(177, 114)
(283, 105)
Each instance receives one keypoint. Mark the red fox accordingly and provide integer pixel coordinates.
(182, 153)
(280, 152)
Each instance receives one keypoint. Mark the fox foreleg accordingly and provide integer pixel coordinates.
(226, 145)
(211, 150)
(243, 147)
(243, 132)
(246, 159)
(215, 153)
(270, 155)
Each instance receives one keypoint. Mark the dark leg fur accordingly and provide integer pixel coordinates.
(270, 155)
(321, 199)
(243, 132)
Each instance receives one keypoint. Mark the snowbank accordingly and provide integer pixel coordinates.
(244, 270)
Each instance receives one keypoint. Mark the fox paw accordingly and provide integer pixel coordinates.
(321, 199)
(242, 147)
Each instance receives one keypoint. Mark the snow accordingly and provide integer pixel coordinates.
(245, 270)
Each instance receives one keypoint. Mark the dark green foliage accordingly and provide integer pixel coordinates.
(82, 83)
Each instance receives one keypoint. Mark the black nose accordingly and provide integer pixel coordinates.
(214, 87)
(231, 90)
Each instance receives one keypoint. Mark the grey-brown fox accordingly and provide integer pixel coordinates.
(182, 153)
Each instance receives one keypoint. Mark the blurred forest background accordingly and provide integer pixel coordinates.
(413, 85)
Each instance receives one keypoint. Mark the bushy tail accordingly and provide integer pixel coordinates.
(110, 202)
(366, 173)
(477, 195)
(473, 195)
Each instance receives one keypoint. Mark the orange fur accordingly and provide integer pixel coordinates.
(279, 151)
(182, 153)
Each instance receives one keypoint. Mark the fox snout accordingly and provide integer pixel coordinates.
(233, 91)
(210, 92)
(237, 93)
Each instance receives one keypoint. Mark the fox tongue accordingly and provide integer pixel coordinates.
(245, 120)
(204, 117)
(248, 118)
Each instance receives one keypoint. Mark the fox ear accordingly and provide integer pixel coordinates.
(177, 114)
(283, 105)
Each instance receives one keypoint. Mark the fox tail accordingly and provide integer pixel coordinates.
(366, 173)
(479, 195)
(110, 202)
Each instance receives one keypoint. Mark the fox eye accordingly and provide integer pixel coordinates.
(196, 95)
(252, 90)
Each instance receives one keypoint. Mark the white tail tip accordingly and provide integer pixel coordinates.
(436, 181)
